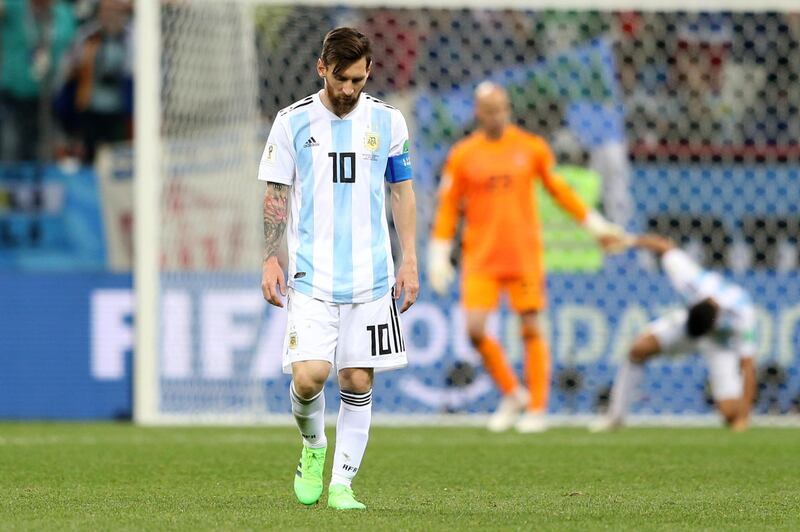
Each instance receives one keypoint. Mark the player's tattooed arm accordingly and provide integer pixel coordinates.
(276, 212)
(276, 201)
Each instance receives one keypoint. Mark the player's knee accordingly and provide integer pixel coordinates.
(307, 385)
(729, 417)
(355, 380)
(642, 349)
(476, 336)
(476, 327)
(638, 353)
(531, 331)
(730, 410)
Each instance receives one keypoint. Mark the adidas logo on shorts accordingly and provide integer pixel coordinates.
(311, 143)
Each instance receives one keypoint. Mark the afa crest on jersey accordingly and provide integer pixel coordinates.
(371, 141)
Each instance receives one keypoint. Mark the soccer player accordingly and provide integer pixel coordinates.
(333, 152)
(490, 176)
(718, 322)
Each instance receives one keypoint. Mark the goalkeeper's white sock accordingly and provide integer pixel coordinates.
(626, 384)
(352, 433)
(309, 414)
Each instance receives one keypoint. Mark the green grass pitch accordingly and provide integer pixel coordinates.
(111, 477)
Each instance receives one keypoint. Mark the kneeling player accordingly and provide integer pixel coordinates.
(718, 322)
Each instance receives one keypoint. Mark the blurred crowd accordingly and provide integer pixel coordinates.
(703, 81)
(706, 81)
(66, 78)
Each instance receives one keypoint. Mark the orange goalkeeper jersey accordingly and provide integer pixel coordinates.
(491, 182)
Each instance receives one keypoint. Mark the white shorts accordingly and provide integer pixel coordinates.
(357, 335)
(723, 364)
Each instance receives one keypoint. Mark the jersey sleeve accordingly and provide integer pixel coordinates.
(398, 166)
(683, 272)
(277, 161)
(555, 185)
(450, 197)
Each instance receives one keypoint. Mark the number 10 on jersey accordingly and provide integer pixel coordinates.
(343, 166)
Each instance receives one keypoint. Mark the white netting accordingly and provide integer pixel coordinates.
(210, 207)
(687, 124)
(210, 118)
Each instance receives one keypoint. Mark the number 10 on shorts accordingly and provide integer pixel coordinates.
(379, 335)
(386, 338)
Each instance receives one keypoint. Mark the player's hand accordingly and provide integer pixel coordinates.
(655, 243)
(616, 242)
(408, 282)
(611, 237)
(272, 274)
(440, 270)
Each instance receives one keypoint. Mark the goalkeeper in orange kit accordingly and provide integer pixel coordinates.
(489, 177)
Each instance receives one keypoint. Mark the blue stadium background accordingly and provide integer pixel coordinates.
(47, 337)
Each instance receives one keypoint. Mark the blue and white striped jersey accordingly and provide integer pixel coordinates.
(735, 327)
(338, 237)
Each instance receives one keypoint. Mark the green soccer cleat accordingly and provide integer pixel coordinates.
(308, 477)
(340, 497)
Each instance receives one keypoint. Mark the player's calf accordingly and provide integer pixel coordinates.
(352, 434)
(308, 408)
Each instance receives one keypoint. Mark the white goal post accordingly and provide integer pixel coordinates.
(147, 179)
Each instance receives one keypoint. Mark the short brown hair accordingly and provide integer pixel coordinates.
(344, 46)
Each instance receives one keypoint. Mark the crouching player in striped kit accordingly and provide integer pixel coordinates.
(333, 152)
(718, 321)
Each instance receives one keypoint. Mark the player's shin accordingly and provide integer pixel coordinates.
(352, 433)
(496, 365)
(309, 414)
(629, 376)
(537, 371)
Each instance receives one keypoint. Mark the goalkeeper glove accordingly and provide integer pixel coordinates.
(612, 237)
(440, 270)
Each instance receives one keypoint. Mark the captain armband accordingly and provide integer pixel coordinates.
(398, 168)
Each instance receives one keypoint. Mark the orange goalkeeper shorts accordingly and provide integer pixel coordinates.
(479, 292)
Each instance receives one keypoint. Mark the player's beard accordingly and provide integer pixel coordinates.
(342, 104)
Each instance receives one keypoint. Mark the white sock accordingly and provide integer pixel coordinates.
(309, 414)
(352, 433)
(626, 384)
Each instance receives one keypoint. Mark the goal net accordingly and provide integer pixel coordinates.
(683, 123)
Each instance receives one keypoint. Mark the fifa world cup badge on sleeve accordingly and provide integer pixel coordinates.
(272, 153)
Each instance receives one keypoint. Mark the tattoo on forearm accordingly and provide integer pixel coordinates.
(276, 201)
